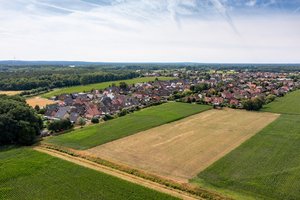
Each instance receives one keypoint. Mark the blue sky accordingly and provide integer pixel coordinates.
(151, 30)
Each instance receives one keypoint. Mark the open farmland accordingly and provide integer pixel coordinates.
(89, 87)
(144, 119)
(266, 166)
(41, 102)
(289, 104)
(28, 174)
(10, 92)
(181, 149)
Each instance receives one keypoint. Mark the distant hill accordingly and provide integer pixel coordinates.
(156, 65)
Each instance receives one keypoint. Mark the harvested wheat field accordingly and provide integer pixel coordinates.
(180, 150)
(41, 102)
(10, 92)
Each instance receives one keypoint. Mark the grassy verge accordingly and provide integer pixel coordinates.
(89, 87)
(124, 126)
(289, 104)
(266, 166)
(28, 174)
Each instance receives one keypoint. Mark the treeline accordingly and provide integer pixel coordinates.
(53, 77)
(19, 123)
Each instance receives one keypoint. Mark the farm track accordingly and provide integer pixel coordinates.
(119, 174)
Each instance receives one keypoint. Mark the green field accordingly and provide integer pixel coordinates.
(265, 166)
(82, 88)
(289, 104)
(124, 126)
(28, 174)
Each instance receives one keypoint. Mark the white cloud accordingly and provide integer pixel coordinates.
(251, 3)
(145, 30)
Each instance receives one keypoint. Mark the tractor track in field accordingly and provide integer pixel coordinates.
(117, 173)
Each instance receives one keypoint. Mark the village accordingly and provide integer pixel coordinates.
(226, 88)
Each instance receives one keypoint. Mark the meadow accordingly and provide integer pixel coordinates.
(266, 166)
(289, 104)
(181, 149)
(89, 87)
(144, 119)
(28, 174)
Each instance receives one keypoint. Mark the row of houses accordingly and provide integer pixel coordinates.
(223, 88)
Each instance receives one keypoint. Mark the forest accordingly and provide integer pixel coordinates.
(47, 77)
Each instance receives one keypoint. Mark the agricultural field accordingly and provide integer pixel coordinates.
(266, 166)
(289, 104)
(130, 124)
(10, 92)
(41, 102)
(28, 174)
(181, 149)
(102, 85)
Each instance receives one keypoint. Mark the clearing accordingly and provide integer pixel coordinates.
(10, 92)
(89, 87)
(28, 174)
(41, 102)
(144, 119)
(289, 104)
(180, 150)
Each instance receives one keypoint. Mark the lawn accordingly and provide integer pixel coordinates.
(92, 136)
(28, 174)
(267, 166)
(289, 104)
(89, 87)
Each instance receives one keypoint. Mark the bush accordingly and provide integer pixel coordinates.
(95, 120)
(122, 113)
(107, 117)
(253, 104)
(60, 125)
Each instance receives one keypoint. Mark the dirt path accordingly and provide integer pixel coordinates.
(116, 173)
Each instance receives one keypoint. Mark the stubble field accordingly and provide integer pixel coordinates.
(10, 92)
(181, 149)
(41, 102)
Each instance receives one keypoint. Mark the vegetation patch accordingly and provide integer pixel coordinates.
(266, 166)
(289, 104)
(28, 174)
(124, 126)
(89, 87)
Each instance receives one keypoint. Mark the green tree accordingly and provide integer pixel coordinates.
(95, 120)
(123, 86)
(81, 122)
(19, 123)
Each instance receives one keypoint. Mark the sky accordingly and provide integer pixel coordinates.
(205, 31)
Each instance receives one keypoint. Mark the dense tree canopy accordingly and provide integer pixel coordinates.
(253, 104)
(60, 125)
(19, 123)
(42, 79)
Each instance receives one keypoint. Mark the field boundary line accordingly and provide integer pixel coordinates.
(119, 174)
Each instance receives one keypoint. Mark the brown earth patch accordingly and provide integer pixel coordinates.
(10, 92)
(42, 102)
